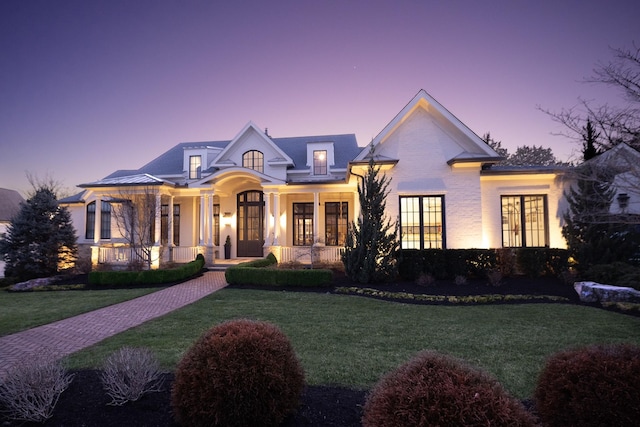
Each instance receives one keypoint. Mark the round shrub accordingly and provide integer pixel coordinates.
(435, 389)
(238, 373)
(591, 386)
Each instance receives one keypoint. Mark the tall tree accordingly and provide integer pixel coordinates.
(532, 156)
(41, 240)
(495, 145)
(371, 244)
(590, 137)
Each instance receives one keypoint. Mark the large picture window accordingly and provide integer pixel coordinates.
(253, 160)
(336, 218)
(422, 222)
(524, 221)
(303, 224)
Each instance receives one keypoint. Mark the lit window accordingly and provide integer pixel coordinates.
(90, 231)
(336, 219)
(421, 222)
(105, 221)
(320, 162)
(195, 166)
(253, 160)
(164, 224)
(303, 224)
(524, 221)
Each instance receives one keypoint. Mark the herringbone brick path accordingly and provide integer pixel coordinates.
(75, 333)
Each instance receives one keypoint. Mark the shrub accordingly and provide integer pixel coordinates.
(238, 373)
(147, 277)
(494, 277)
(425, 279)
(435, 389)
(30, 391)
(129, 374)
(591, 386)
(617, 273)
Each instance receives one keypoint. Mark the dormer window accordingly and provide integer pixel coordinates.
(253, 159)
(320, 162)
(195, 166)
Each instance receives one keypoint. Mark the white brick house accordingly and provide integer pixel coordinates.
(283, 195)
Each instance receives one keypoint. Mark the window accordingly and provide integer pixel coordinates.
(253, 160)
(336, 216)
(422, 222)
(195, 167)
(320, 162)
(90, 231)
(105, 221)
(524, 221)
(303, 224)
(216, 225)
(164, 224)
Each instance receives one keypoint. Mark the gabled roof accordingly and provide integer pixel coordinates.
(622, 156)
(9, 203)
(138, 179)
(251, 127)
(476, 149)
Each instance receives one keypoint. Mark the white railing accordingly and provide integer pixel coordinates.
(183, 254)
(118, 255)
(303, 254)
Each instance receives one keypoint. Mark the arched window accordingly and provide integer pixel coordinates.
(90, 231)
(253, 159)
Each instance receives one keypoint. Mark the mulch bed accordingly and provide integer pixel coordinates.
(86, 404)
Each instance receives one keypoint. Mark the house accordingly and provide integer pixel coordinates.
(288, 195)
(10, 201)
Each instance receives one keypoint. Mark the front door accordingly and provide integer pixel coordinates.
(250, 224)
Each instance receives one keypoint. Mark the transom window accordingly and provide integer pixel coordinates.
(253, 159)
(524, 221)
(422, 222)
(336, 216)
(303, 224)
(320, 162)
(195, 166)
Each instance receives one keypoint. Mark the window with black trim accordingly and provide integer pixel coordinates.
(422, 222)
(195, 166)
(253, 159)
(90, 229)
(303, 224)
(164, 224)
(336, 217)
(105, 220)
(320, 162)
(524, 221)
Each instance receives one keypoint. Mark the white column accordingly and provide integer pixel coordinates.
(356, 207)
(201, 231)
(276, 216)
(316, 216)
(158, 222)
(267, 220)
(210, 220)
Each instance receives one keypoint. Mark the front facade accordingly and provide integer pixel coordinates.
(295, 197)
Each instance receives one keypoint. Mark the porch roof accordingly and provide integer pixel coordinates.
(128, 180)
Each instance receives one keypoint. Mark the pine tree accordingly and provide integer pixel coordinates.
(40, 237)
(371, 243)
(590, 137)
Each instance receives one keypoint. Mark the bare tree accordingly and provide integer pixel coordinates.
(134, 210)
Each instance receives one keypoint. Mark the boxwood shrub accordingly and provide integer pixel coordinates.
(257, 272)
(147, 277)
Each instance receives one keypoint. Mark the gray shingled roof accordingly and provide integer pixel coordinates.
(171, 162)
(9, 203)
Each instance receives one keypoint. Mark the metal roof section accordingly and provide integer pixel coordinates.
(129, 180)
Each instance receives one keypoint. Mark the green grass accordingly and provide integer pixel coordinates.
(352, 341)
(24, 310)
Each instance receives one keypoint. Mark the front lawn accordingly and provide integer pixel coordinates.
(352, 341)
(23, 310)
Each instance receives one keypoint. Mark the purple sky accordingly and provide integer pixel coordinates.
(88, 87)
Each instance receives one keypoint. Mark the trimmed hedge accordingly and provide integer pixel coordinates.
(147, 277)
(449, 263)
(255, 273)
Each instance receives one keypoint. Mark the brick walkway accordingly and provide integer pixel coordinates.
(75, 333)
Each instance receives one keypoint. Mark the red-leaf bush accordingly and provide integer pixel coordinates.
(436, 389)
(238, 373)
(591, 386)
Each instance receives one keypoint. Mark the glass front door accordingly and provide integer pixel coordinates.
(250, 224)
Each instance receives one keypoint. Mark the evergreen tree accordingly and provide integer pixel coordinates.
(39, 239)
(371, 243)
(590, 137)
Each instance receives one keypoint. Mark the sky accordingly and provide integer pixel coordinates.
(90, 87)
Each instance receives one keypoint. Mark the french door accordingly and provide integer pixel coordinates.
(250, 224)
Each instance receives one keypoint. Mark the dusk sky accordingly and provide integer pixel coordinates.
(88, 87)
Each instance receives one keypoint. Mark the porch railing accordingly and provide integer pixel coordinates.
(182, 254)
(122, 254)
(304, 254)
